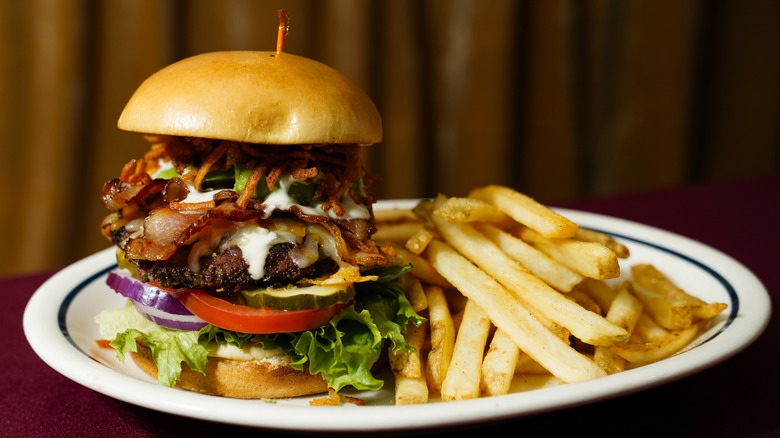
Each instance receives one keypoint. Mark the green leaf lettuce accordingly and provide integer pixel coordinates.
(343, 351)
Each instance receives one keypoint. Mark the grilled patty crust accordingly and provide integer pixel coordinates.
(227, 271)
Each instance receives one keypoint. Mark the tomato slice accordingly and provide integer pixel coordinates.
(247, 319)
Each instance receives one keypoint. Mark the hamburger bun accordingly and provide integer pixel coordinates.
(247, 379)
(253, 97)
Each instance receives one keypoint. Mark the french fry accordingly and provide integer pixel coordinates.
(410, 384)
(649, 277)
(396, 232)
(624, 312)
(463, 375)
(410, 390)
(419, 240)
(585, 301)
(557, 329)
(395, 225)
(410, 364)
(590, 259)
(670, 313)
(414, 292)
(625, 309)
(583, 324)
(509, 315)
(708, 310)
(460, 210)
(649, 330)
(599, 291)
(422, 269)
(442, 331)
(655, 351)
(499, 259)
(540, 264)
(608, 360)
(589, 235)
(499, 364)
(527, 211)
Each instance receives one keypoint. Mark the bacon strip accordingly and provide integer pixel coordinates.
(166, 230)
(170, 223)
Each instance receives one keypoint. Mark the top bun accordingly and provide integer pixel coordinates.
(253, 97)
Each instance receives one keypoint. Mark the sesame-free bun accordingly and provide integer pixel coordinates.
(253, 97)
(247, 379)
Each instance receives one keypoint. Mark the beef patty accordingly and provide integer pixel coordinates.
(227, 271)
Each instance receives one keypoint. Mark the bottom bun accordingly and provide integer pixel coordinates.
(239, 378)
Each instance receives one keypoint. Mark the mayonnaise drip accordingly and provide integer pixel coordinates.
(281, 200)
(255, 242)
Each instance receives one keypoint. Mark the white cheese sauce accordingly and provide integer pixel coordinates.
(195, 196)
(255, 241)
(280, 199)
(162, 166)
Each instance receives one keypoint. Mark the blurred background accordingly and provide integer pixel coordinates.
(561, 99)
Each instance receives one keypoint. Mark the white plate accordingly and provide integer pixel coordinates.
(59, 327)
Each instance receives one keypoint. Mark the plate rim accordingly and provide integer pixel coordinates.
(737, 333)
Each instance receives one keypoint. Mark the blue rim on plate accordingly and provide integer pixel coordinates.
(62, 313)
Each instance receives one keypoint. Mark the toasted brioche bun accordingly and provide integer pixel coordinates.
(247, 379)
(253, 97)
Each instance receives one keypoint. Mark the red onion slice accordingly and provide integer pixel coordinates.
(156, 304)
(178, 322)
(145, 293)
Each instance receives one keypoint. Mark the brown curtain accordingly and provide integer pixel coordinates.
(561, 99)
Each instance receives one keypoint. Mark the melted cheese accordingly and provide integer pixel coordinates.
(255, 242)
(209, 239)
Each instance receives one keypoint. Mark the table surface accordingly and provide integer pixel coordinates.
(734, 398)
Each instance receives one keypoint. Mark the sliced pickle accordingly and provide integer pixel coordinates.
(304, 297)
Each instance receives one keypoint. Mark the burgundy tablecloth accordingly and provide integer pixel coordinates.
(736, 398)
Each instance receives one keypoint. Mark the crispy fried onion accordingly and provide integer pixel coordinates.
(169, 224)
(339, 164)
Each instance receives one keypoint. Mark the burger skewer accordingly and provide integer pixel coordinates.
(284, 27)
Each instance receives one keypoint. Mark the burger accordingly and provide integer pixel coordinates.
(244, 233)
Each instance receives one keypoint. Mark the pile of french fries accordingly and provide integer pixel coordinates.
(519, 297)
